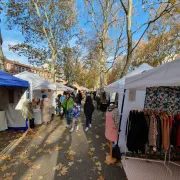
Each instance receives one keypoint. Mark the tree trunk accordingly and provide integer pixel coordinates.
(53, 71)
(129, 36)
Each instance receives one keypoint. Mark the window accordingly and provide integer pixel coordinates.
(12, 66)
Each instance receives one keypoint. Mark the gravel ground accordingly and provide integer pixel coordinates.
(55, 153)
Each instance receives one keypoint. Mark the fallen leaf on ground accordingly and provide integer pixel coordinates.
(58, 167)
(71, 152)
(58, 148)
(119, 164)
(99, 172)
(80, 160)
(48, 151)
(107, 162)
(3, 168)
(90, 153)
(39, 150)
(40, 177)
(64, 171)
(70, 163)
(33, 157)
(98, 163)
(100, 178)
(36, 166)
(97, 136)
(26, 161)
(71, 158)
(94, 158)
(92, 149)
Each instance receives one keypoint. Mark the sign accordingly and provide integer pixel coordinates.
(132, 95)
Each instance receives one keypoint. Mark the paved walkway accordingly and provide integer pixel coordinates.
(54, 153)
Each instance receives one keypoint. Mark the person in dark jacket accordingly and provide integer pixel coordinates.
(79, 98)
(88, 111)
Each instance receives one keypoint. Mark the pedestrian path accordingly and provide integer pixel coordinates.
(55, 153)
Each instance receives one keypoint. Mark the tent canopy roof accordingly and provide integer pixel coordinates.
(165, 75)
(7, 79)
(35, 80)
(115, 86)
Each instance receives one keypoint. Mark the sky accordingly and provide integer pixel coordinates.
(12, 37)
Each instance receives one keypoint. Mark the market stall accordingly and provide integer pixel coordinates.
(159, 113)
(37, 84)
(119, 87)
(12, 95)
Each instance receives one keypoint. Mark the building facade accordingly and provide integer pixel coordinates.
(14, 67)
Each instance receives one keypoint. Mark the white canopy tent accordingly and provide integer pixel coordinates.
(35, 81)
(62, 87)
(119, 87)
(165, 75)
(119, 84)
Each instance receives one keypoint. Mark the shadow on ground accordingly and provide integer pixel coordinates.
(55, 153)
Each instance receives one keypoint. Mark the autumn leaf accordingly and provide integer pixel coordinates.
(107, 162)
(172, 1)
(71, 152)
(100, 178)
(58, 167)
(48, 151)
(58, 148)
(98, 163)
(26, 161)
(92, 149)
(80, 160)
(36, 166)
(64, 171)
(71, 158)
(90, 153)
(39, 150)
(70, 163)
(33, 157)
(119, 164)
(3, 168)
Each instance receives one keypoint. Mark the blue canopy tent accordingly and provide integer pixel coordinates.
(7, 79)
(8, 84)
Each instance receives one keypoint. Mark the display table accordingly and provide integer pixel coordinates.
(3, 121)
(111, 134)
(37, 116)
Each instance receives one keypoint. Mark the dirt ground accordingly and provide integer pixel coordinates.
(55, 153)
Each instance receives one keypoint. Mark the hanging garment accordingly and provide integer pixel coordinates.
(46, 114)
(153, 132)
(178, 130)
(165, 131)
(159, 133)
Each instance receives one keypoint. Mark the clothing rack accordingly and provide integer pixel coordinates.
(143, 159)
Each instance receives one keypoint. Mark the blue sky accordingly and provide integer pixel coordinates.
(13, 37)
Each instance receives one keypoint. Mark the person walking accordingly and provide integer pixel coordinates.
(75, 113)
(67, 105)
(88, 111)
(61, 100)
(79, 97)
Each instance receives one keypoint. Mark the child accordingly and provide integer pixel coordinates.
(88, 110)
(75, 113)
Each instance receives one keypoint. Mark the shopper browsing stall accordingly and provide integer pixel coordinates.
(88, 111)
(67, 105)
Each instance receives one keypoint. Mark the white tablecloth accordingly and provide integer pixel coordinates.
(37, 116)
(3, 121)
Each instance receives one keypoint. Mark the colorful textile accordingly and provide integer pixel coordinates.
(164, 98)
(75, 112)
